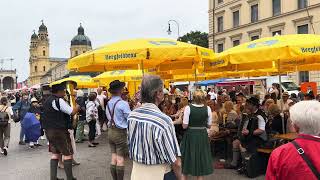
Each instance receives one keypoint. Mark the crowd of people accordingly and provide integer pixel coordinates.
(165, 132)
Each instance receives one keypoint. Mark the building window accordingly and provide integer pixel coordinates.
(276, 7)
(276, 33)
(254, 13)
(220, 1)
(302, 4)
(303, 76)
(76, 53)
(254, 38)
(35, 69)
(303, 29)
(236, 19)
(220, 23)
(44, 68)
(236, 43)
(44, 53)
(220, 48)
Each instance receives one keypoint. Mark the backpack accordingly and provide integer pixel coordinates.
(4, 117)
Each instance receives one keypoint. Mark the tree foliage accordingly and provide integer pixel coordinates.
(196, 37)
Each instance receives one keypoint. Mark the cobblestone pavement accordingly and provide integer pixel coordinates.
(23, 163)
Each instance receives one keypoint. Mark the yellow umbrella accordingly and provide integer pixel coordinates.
(82, 82)
(121, 75)
(141, 54)
(278, 51)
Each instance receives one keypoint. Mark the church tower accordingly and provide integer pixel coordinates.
(33, 46)
(80, 43)
(43, 45)
(39, 55)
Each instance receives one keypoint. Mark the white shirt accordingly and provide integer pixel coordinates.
(186, 114)
(261, 123)
(64, 106)
(101, 99)
(213, 95)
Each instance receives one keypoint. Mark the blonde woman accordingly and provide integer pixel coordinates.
(195, 145)
(230, 115)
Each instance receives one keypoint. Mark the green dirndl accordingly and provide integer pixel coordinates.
(195, 145)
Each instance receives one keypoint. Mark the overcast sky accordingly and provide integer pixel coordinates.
(105, 21)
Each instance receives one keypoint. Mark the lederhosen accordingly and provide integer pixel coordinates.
(117, 137)
(56, 125)
(252, 142)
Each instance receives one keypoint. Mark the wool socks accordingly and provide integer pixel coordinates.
(113, 170)
(53, 169)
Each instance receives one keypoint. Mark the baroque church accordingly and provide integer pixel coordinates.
(46, 69)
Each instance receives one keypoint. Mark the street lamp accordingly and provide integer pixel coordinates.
(169, 27)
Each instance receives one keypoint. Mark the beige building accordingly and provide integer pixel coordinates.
(45, 69)
(232, 22)
(8, 79)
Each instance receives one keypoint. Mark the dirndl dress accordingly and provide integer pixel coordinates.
(195, 145)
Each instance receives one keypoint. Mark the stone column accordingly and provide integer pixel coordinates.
(1, 83)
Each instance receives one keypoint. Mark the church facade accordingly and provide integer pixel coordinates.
(46, 69)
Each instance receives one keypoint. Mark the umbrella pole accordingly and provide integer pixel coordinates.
(195, 73)
(142, 67)
(280, 90)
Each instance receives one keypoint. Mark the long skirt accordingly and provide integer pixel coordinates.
(196, 153)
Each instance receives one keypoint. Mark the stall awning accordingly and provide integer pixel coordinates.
(210, 82)
(235, 83)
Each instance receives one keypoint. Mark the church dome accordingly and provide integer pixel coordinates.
(42, 27)
(81, 38)
(34, 36)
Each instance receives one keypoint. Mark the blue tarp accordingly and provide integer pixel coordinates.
(31, 127)
(210, 82)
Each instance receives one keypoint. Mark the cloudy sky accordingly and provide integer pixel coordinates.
(105, 21)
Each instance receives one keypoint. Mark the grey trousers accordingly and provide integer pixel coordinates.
(5, 136)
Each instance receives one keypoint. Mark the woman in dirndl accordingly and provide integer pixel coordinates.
(195, 145)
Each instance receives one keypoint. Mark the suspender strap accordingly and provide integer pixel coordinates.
(306, 159)
(112, 112)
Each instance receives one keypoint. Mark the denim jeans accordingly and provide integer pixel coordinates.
(21, 133)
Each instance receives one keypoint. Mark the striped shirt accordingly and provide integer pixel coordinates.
(151, 135)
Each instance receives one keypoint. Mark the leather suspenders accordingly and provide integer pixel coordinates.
(112, 112)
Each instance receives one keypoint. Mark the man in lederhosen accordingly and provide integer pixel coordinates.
(117, 111)
(253, 131)
(56, 122)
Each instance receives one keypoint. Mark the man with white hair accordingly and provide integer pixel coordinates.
(153, 145)
(299, 159)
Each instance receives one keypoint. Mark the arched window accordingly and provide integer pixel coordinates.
(44, 68)
(76, 53)
(35, 69)
(44, 53)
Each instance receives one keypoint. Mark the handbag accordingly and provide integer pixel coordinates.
(16, 117)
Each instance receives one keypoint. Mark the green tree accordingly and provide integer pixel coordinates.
(196, 37)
